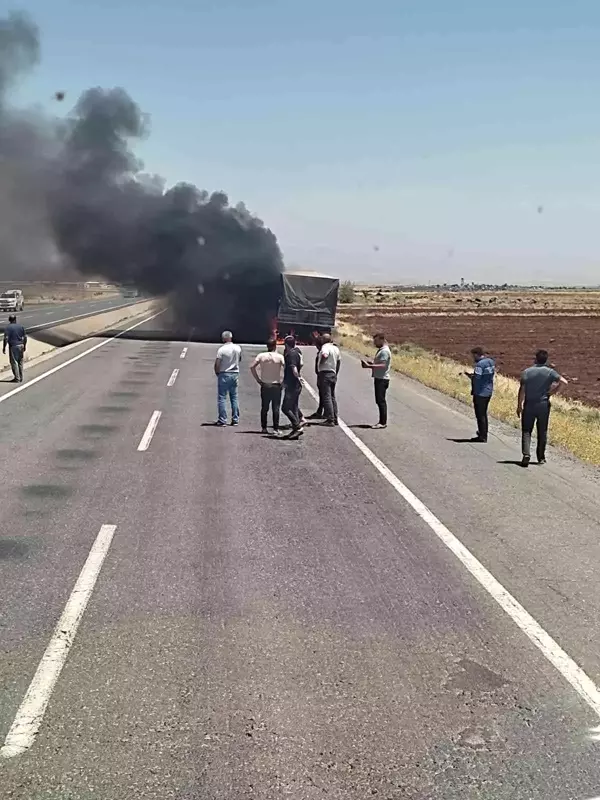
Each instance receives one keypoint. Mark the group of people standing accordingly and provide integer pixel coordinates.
(280, 379)
(538, 384)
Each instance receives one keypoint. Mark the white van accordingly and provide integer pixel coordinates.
(12, 300)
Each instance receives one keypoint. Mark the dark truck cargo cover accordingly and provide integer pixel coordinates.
(308, 299)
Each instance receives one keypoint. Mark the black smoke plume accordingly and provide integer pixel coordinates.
(87, 199)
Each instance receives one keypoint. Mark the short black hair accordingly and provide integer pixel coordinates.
(12, 318)
(271, 343)
(379, 336)
(477, 351)
(290, 340)
(541, 357)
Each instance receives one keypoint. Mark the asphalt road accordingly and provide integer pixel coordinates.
(36, 316)
(271, 618)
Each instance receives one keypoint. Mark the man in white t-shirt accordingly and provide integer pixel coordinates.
(227, 370)
(380, 368)
(329, 365)
(267, 369)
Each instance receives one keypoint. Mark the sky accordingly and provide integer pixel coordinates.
(392, 140)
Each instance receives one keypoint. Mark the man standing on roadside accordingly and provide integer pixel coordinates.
(381, 367)
(15, 339)
(267, 369)
(329, 365)
(319, 412)
(227, 370)
(538, 384)
(292, 384)
(482, 388)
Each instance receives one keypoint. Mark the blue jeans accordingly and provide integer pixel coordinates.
(227, 384)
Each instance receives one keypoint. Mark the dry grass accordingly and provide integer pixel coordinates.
(574, 427)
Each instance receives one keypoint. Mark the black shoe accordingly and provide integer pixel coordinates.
(235, 422)
(329, 423)
(525, 461)
(315, 416)
(541, 460)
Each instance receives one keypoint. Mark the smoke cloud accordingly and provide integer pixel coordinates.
(73, 190)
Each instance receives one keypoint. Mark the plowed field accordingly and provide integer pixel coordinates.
(572, 341)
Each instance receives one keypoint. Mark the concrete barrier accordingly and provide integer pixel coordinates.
(48, 342)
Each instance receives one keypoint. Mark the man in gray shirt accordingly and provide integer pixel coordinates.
(538, 384)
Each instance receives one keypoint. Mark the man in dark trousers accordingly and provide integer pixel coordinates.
(329, 365)
(538, 384)
(15, 339)
(482, 389)
(267, 369)
(319, 412)
(292, 384)
(381, 368)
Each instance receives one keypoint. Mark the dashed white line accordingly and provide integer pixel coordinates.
(31, 712)
(149, 432)
(173, 377)
(183, 352)
(553, 652)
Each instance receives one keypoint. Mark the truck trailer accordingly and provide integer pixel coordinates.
(307, 305)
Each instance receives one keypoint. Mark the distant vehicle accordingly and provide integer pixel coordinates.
(12, 300)
(130, 291)
(307, 304)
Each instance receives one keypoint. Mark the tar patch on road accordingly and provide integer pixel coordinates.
(97, 431)
(14, 549)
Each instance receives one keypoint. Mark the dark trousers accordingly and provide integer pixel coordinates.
(320, 409)
(537, 414)
(15, 356)
(291, 402)
(480, 404)
(328, 384)
(270, 397)
(381, 387)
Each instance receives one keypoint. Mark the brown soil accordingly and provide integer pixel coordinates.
(572, 341)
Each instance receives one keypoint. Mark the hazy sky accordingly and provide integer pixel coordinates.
(432, 129)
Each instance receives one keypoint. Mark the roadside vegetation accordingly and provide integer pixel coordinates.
(574, 427)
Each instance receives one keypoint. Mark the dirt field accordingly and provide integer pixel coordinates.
(572, 340)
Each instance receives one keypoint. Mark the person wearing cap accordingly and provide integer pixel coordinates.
(292, 384)
(267, 370)
(227, 370)
(15, 339)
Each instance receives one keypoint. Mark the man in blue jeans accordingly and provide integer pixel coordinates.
(227, 370)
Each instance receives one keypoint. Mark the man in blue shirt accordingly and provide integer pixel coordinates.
(15, 339)
(482, 388)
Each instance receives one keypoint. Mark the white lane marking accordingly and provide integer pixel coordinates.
(31, 712)
(77, 316)
(41, 377)
(149, 432)
(183, 352)
(560, 660)
(173, 377)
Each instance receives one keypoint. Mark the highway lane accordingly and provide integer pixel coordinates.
(44, 315)
(271, 618)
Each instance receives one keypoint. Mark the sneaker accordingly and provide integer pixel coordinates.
(315, 416)
(220, 424)
(264, 431)
(235, 422)
(541, 460)
(378, 427)
(296, 433)
(329, 423)
(525, 461)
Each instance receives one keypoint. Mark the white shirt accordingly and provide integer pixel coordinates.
(230, 355)
(329, 357)
(269, 367)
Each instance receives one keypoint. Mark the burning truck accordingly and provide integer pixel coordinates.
(307, 305)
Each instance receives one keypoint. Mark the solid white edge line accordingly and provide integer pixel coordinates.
(41, 377)
(31, 712)
(149, 432)
(173, 377)
(183, 352)
(552, 651)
